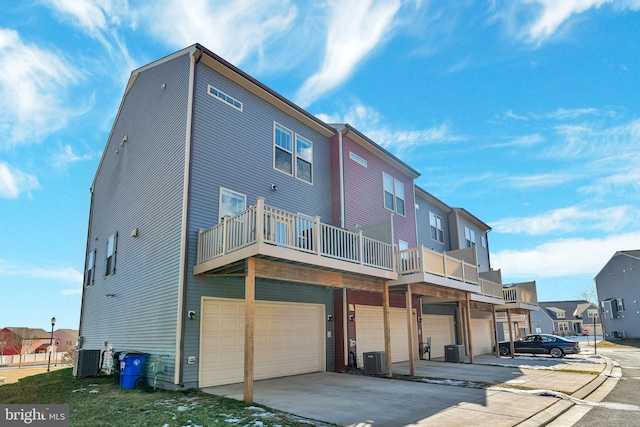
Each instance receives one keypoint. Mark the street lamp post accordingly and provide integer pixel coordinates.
(53, 323)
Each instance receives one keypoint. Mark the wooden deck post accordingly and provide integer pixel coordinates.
(459, 322)
(530, 325)
(469, 334)
(249, 316)
(410, 332)
(387, 327)
(510, 333)
(495, 331)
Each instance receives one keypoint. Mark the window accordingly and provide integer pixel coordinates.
(231, 203)
(110, 263)
(223, 97)
(304, 159)
(483, 240)
(357, 159)
(620, 304)
(435, 225)
(402, 245)
(90, 274)
(393, 193)
(563, 326)
(470, 236)
(283, 149)
(561, 314)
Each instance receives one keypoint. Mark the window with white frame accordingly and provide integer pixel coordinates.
(292, 153)
(470, 237)
(563, 326)
(110, 261)
(483, 240)
(231, 203)
(620, 304)
(393, 193)
(304, 159)
(283, 149)
(224, 98)
(90, 273)
(357, 159)
(435, 226)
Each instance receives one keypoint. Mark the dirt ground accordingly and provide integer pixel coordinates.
(8, 376)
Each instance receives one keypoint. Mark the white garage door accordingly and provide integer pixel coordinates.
(289, 340)
(440, 329)
(370, 332)
(481, 332)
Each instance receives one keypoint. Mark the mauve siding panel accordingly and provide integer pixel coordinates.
(335, 181)
(365, 197)
(141, 188)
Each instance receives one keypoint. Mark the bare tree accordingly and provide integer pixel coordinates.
(588, 294)
(23, 337)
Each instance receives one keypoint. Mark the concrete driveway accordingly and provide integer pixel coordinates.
(357, 400)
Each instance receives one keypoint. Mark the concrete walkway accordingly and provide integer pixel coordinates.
(357, 400)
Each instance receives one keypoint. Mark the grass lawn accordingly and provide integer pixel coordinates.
(99, 402)
(624, 342)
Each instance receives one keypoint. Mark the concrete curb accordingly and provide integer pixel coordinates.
(556, 410)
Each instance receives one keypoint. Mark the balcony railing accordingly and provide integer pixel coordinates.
(273, 226)
(490, 288)
(423, 260)
(519, 295)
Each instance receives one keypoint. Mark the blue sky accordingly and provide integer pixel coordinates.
(526, 113)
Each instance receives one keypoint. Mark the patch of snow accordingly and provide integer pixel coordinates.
(94, 391)
(182, 408)
(457, 383)
(165, 425)
(254, 408)
(233, 420)
(80, 389)
(258, 424)
(93, 385)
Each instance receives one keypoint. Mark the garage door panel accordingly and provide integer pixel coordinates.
(370, 331)
(440, 329)
(482, 333)
(289, 340)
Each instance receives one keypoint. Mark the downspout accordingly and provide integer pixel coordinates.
(184, 237)
(343, 220)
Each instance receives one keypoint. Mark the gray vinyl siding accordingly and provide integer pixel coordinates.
(540, 319)
(141, 187)
(424, 229)
(234, 150)
(620, 278)
(458, 240)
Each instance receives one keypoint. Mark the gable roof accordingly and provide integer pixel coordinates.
(29, 333)
(424, 194)
(573, 309)
(470, 217)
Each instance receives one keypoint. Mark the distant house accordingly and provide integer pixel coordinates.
(618, 286)
(65, 339)
(565, 318)
(18, 340)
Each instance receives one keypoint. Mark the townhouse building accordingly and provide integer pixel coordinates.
(236, 237)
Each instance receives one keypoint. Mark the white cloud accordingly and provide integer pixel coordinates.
(354, 29)
(13, 182)
(65, 156)
(562, 258)
(64, 274)
(568, 220)
(540, 180)
(537, 21)
(400, 141)
(33, 85)
(235, 30)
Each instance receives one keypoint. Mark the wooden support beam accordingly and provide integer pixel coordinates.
(249, 328)
(510, 333)
(411, 332)
(297, 273)
(387, 327)
(429, 290)
(495, 331)
(469, 334)
(459, 322)
(530, 325)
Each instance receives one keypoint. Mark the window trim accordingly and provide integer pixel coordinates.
(110, 267)
(394, 195)
(353, 156)
(223, 189)
(483, 240)
(439, 232)
(90, 271)
(225, 98)
(277, 125)
(297, 156)
(565, 324)
(470, 237)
